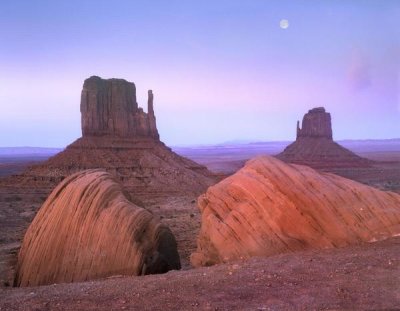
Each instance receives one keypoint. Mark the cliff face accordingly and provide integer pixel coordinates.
(314, 145)
(269, 207)
(109, 107)
(88, 229)
(316, 123)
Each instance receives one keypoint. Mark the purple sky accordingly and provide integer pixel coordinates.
(220, 70)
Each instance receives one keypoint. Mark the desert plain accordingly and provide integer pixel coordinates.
(366, 276)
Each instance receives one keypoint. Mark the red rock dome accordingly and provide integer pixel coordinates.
(270, 207)
(88, 229)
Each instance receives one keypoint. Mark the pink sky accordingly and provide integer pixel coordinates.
(219, 72)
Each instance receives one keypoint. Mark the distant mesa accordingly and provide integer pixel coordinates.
(314, 145)
(118, 136)
(88, 229)
(270, 207)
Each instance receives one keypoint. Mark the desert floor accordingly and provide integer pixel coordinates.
(354, 278)
(360, 277)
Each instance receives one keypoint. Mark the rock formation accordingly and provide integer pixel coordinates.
(270, 207)
(88, 229)
(314, 145)
(119, 137)
(109, 107)
(316, 123)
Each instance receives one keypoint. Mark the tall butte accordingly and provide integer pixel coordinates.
(314, 145)
(109, 107)
(117, 135)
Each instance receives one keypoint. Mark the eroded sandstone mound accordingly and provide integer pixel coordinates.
(88, 229)
(314, 145)
(270, 207)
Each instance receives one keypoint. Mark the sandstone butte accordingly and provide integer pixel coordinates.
(88, 229)
(314, 145)
(270, 207)
(109, 107)
(118, 136)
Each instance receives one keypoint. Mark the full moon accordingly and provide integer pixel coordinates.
(284, 24)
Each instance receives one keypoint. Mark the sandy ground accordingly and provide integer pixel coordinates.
(365, 277)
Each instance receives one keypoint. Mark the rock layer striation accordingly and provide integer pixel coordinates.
(88, 229)
(270, 207)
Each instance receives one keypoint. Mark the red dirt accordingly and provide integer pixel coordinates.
(363, 277)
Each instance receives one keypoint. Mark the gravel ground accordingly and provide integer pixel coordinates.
(364, 277)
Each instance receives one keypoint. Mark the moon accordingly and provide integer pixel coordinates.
(284, 24)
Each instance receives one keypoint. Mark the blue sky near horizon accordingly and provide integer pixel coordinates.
(220, 70)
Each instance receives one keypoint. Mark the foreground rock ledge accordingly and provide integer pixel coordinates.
(270, 207)
(88, 229)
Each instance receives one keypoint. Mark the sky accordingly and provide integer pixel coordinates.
(220, 71)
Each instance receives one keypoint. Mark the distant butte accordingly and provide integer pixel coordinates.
(118, 136)
(314, 145)
(316, 124)
(109, 107)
